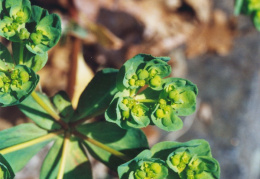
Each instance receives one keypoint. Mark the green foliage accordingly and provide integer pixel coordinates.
(36, 113)
(6, 172)
(102, 89)
(133, 97)
(16, 82)
(189, 160)
(251, 8)
(160, 104)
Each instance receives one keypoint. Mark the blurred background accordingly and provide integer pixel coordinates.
(207, 44)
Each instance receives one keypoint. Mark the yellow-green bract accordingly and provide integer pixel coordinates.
(30, 25)
(189, 160)
(160, 102)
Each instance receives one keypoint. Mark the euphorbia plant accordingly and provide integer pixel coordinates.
(137, 95)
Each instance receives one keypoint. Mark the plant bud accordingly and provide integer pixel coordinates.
(156, 167)
(24, 34)
(159, 113)
(176, 159)
(126, 114)
(142, 74)
(152, 73)
(156, 81)
(36, 38)
(24, 76)
(132, 82)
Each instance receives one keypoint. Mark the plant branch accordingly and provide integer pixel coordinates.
(21, 53)
(147, 100)
(63, 156)
(49, 110)
(82, 120)
(30, 143)
(102, 146)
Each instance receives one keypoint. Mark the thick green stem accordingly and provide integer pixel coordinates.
(21, 53)
(63, 156)
(49, 110)
(30, 143)
(102, 146)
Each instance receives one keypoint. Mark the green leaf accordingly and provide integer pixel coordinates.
(38, 14)
(77, 162)
(31, 60)
(96, 97)
(35, 112)
(143, 166)
(1, 8)
(16, 85)
(130, 142)
(256, 19)
(6, 61)
(20, 3)
(129, 71)
(168, 122)
(20, 14)
(163, 149)
(211, 166)
(46, 34)
(62, 102)
(18, 135)
(6, 172)
(238, 6)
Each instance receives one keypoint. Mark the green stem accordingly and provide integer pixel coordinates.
(147, 100)
(49, 110)
(30, 143)
(102, 146)
(63, 156)
(21, 53)
(132, 92)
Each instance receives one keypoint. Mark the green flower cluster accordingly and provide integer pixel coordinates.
(173, 160)
(249, 7)
(31, 25)
(16, 84)
(33, 31)
(146, 97)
